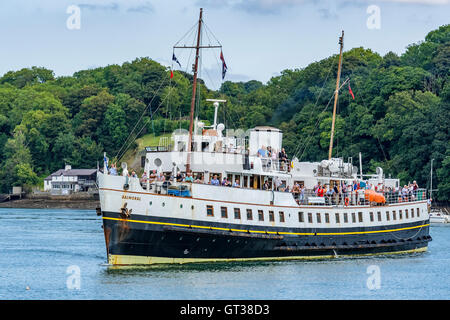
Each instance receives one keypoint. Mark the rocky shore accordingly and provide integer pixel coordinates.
(45, 200)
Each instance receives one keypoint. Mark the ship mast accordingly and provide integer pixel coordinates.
(194, 87)
(336, 94)
(194, 84)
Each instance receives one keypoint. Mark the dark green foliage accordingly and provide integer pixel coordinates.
(399, 119)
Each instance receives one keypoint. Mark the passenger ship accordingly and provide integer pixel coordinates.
(147, 222)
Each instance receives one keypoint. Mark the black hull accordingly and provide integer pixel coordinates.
(190, 241)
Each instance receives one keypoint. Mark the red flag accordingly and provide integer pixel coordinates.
(351, 92)
(171, 74)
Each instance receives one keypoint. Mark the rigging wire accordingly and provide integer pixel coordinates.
(142, 114)
(145, 124)
(303, 145)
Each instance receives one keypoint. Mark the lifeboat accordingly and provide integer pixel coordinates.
(373, 196)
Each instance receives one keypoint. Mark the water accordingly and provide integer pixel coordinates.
(39, 246)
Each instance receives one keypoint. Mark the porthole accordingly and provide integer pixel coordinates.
(150, 203)
(163, 204)
(192, 207)
(181, 206)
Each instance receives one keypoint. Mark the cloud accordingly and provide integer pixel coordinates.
(252, 6)
(146, 7)
(134, 6)
(113, 6)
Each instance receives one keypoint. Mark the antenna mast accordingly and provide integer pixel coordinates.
(336, 94)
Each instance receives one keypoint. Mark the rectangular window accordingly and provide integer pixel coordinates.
(360, 217)
(224, 212)
(345, 217)
(353, 217)
(281, 216)
(318, 217)
(337, 218)
(394, 215)
(418, 212)
(379, 215)
(412, 213)
(327, 218)
(406, 214)
(400, 215)
(237, 213)
(210, 211)
(271, 216)
(309, 217)
(249, 214)
(300, 217)
(260, 215)
(371, 216)
(387, 216)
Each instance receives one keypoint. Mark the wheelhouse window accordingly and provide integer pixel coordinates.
(224, 212)
(237, 213)
(210, 211)
(249, 214)
(260, 215)
(281, 213)
(301, 218)
(271, 216)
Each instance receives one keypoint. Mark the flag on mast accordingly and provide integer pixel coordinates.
(224, 65)
(175, 59)
(171, 74)
(351, 92)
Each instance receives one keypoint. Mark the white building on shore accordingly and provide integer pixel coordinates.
(68, 180)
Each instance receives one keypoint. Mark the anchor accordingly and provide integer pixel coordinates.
(125, 212)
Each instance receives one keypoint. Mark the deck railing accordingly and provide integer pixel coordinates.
(269, 164)
(360, 197)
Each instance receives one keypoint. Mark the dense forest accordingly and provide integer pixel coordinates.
(399, 118)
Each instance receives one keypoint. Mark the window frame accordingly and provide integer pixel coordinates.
(209, 208)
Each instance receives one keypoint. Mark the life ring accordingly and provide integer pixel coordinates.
(346, 201)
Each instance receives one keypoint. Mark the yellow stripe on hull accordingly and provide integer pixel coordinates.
(124, 260)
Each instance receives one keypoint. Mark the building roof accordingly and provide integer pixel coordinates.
(265, 128)
(72, 172)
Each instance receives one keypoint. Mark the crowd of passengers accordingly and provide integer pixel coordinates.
(272, 156)
(338, 194)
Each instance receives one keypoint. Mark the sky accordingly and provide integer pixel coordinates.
(259, 38)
